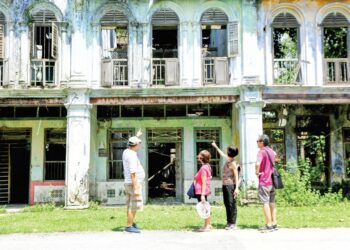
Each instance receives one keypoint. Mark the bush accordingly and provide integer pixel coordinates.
(41, 207)
(94, 205)
(2, 210)
(297, 189)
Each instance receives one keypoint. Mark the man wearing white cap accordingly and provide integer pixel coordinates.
(134, 175)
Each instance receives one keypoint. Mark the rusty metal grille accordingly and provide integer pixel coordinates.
(164, 135)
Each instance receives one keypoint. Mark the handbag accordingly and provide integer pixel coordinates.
(276, 177)
(191, 191)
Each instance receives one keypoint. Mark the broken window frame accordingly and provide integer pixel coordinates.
(277, 144)
(346, 157)
(291, 66)
(336, 70)
(115, 166)
(114, 65)
(59, 166)
(216, 169)
(43, 71)
(165, 71)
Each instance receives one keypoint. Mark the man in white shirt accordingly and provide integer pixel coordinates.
(134, 175)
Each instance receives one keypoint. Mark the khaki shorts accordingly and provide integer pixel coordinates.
(133, 202)
(267, 194)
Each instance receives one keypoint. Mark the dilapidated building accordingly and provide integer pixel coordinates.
(80, 77)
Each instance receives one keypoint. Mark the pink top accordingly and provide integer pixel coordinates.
(266, 169)
(205, 170)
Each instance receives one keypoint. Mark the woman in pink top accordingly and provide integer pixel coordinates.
(202, 183)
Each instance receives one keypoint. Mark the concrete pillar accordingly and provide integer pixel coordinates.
(95, 63)
(13, 55)
(184, 50)
(78, 149)
(24, 54)
(146, 54)
(64, 56)
(250, 127)
(252, 56)
(134, 62)
(196, 54)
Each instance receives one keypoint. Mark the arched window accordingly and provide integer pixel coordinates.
(285, 35)
(44, 48)
(3, 71)
(165, 63)
(336, 48)
(217, 44)
(114, 43)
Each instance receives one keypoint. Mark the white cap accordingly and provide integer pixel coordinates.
(133, 141)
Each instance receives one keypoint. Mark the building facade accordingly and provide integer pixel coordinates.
(80, 77)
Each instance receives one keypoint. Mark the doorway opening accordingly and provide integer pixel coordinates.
(165, 165)
(14, 166)
(314, 147)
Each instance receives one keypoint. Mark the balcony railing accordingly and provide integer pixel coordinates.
(165, 71)
(336, 71)
(287, 71)
(215, 70)
(55, 170)
(42, 72)
(114, 72)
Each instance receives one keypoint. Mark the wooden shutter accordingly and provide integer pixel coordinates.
(221, 70)
(2, 41)
(171, 71)
(54, 40)
(232, 39)
(5, 73)
(107, 73)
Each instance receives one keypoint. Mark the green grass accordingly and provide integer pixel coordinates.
(166, 218)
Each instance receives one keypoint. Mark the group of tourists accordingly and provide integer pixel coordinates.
(134, 175)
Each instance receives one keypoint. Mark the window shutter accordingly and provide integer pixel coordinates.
(232, 39)
(5, 72)
(54, 40)
(107, 73)
(2, 41)
(221, 71)
(171, 71)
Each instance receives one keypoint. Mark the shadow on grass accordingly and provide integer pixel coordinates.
(118, 229)
(240, 226)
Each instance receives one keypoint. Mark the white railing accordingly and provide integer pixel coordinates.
(208, 70)
(286, 71)
(55, 170)
(158, 71)
(336, 71)
(42, 72)
(120, 72)
(215, 70)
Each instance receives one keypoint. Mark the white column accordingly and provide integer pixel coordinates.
(78, 149)
(95, 63)
(64, 56)
(134, 58)
(185, 60)
(13, 55)
(146, 54)
(196, 54)
(252, 57)
(24, 56)
(250, 127)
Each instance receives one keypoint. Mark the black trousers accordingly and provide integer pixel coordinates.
(230, 203)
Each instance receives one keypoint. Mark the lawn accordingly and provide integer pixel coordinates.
(155, 217)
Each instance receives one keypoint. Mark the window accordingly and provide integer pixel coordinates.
(165, 64)
(204, 138)
(44, 48)
(335, 48)
(55, 154)
(219, 40)
(114, 41)
(277, 142)
(117, 144)
(285, 35)
(346, 141)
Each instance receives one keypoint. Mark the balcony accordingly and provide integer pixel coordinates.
(42, 72)
(165, 71)
(286, 71)
(115, 68)
(336, 71)
(215, 70)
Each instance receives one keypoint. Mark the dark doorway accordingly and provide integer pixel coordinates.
(161, 170)
(19, 160)
(314, 146)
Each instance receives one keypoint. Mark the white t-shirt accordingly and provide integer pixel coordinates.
(131, 164)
